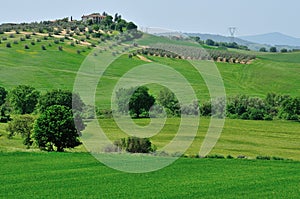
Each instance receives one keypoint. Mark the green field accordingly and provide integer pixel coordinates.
(79, 175)
(239, 137)
(76, 174)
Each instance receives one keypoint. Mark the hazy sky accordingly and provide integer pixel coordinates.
(204, 16)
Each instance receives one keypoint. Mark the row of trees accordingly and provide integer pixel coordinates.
(186, 52)
(274, 50)
(46, 120)
(211, 42)
(138, 102)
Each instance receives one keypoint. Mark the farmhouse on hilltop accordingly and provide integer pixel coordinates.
(95, 17)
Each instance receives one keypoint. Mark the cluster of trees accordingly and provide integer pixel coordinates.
(138, 102)
(187, 52)
(274, 106)
(52, 120)
(56, 27)
(211, 42)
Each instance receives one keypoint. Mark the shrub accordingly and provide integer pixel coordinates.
(135, 145)
(22, 39)
(263, 157)
(44, 47)
(16, 42)
(11, 36)
(60, 48)
(78, 52)
(38, 40)
(56, 41)
(215, 156)
(284, 50)
(32, 43)
(230, 157)
(72, 44)
(8, 45)
(57, 32)
(27, 36)
(4, 38)
(277, 158)
(62, 40)
(26, 47)
(45, 38)
(1, 31)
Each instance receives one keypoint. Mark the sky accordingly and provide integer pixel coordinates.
(198, 16)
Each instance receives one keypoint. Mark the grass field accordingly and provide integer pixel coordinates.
(239, 137)
(79, 175)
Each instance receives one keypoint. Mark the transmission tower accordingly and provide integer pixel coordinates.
(232, 31)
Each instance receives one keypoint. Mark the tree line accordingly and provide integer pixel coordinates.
(137, 102)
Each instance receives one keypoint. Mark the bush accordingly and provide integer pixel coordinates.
(22, 39)
(263, 157)
(4, 38)
(215, 156)
(78, 52)
(60, 48)
(26, 47)
(8, 45)
(135, 145)
(27, 36)
(230, 157)
(72, 44)
(32, 43)
(56, 41)
(284, 50)
(38, 40)
(62, 40)
(44, 47)
(11, 36)
(16, 42)
(277, 158)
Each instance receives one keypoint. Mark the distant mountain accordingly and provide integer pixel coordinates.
(274, 39)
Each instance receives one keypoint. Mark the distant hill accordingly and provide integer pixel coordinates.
(274, 39)
(221, 38)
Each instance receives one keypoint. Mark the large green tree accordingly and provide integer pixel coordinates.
(167, 99)
(140, 102)
(23, 99)
(55, 129)
(60, 97)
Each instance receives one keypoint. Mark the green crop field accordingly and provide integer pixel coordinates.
(76, 174)
(79, 175)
